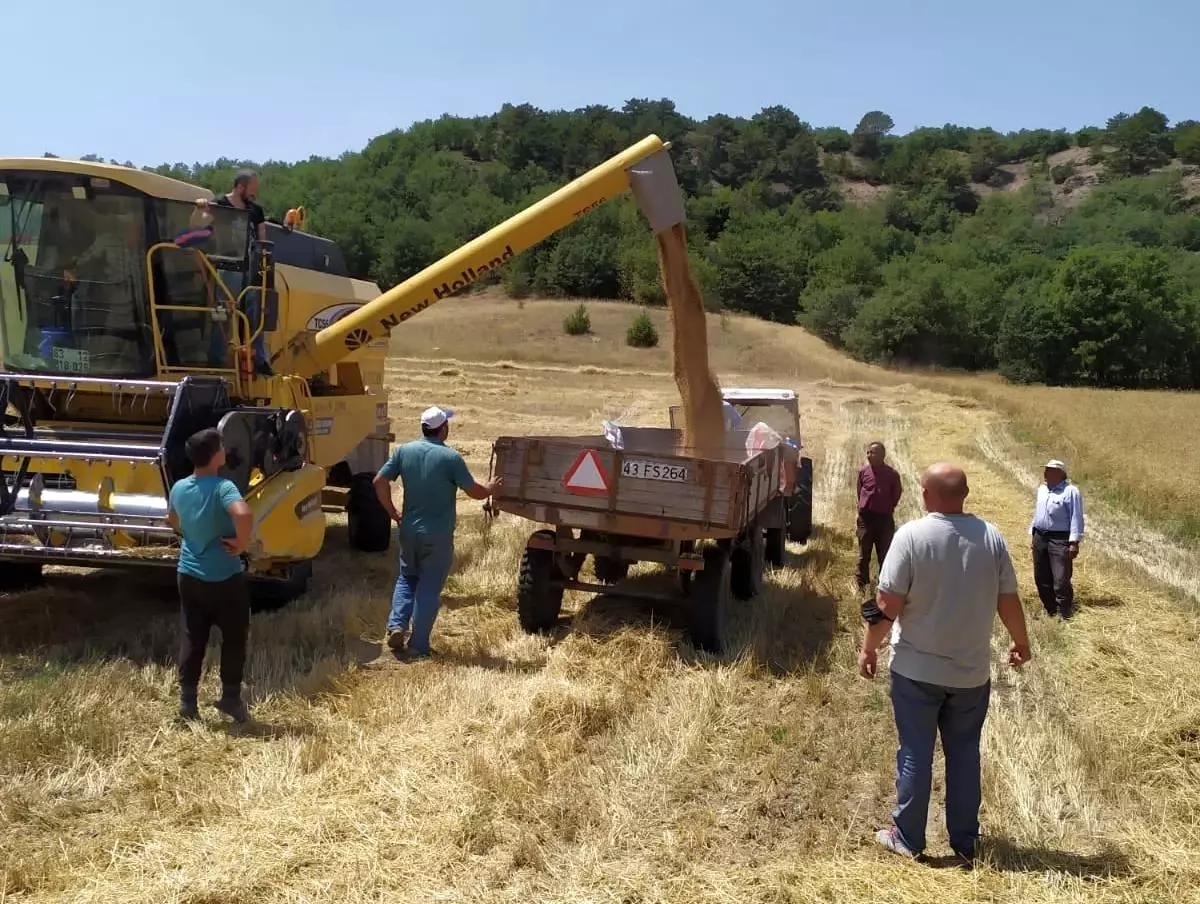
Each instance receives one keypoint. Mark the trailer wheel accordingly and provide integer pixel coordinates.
(709, 601)
(539, 595)
(267, 593)
(369, 526)
(747, 564)
(20, 575)
(609, 570)
(776, 550)
(799, 511)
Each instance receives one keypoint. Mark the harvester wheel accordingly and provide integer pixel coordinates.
(20, 575)
(275, 592)
(368, 525)
(709, 601)
(539, 593)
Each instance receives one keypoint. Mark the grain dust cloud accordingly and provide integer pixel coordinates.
(700, 396)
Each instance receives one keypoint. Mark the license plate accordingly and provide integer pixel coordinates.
(653, 470)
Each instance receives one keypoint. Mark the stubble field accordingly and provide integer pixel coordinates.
(610, 761)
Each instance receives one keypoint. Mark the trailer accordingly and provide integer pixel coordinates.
(790, 518)
(648, 501)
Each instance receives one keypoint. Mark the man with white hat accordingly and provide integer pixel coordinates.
(431, 474)
(1055, 532)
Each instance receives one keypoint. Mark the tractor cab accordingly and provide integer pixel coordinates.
(101, 279)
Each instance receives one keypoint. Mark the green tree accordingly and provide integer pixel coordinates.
(1141, 142)
(642, 332)
(1187, 144)
(867, 140)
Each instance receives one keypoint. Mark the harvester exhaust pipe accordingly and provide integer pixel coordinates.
(645, 169)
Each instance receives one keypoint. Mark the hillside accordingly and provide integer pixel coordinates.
(1051, 256)
(611, 761)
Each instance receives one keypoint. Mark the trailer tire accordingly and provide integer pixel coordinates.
(539, 597)
(16, 576)
(747, 564)
(610, 570)
(776, 550)
(271, 593)
(709, 601)
(800, 506)
(368, 525)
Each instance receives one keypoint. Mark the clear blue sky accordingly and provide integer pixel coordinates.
(159, 82)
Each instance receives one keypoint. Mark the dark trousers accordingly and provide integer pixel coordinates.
(875, 532)
(1052, 570)
(957, 713)
(203, 604)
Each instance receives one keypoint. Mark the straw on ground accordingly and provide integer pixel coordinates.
(610, 762)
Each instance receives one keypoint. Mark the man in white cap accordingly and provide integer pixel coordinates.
(1055, 532)
(431, 474)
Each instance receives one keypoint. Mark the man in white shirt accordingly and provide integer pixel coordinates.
(943, 581)
(1055, 532)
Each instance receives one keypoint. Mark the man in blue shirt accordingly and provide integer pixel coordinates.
(1055, 531)
(215, 523)
(431, 474)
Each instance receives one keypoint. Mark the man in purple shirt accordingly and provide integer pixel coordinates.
(878, 495)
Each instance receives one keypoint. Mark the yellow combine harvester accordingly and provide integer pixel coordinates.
(120, 339)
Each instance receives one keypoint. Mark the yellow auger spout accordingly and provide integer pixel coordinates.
(645, 169)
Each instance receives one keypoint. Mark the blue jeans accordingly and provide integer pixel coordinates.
(425, 562)
(922, 711)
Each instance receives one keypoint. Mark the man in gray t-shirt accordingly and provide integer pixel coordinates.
(942, 583)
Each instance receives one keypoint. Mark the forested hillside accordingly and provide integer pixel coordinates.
(1052, 256)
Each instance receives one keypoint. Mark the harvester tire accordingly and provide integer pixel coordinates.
(709, 602)
(16, 576)
(539, 593)
(273, 593)
(368, 525)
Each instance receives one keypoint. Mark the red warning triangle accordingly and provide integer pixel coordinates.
(586, 476)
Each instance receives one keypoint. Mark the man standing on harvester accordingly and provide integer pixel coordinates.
(431, 474)
(879, 493)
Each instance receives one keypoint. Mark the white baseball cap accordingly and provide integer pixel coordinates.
(1055, 463)
(433, 417)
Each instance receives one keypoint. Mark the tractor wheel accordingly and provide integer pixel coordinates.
(709, 601)
(800, 506)
(16, 576)
(267, 593)
(609, 570)
(368, 525)
(539, 593)
(776, 550)
(747, 564)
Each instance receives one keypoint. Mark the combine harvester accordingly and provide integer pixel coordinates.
(120, 340)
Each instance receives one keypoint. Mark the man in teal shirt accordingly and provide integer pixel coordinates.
(431, 474)
(215, 523)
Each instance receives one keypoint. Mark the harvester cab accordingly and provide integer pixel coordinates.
(128, 319)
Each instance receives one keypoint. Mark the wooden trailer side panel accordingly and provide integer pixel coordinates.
(710, 494)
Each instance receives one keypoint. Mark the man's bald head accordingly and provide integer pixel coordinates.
(944, 487)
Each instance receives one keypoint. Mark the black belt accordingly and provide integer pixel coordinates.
(1053, 534)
